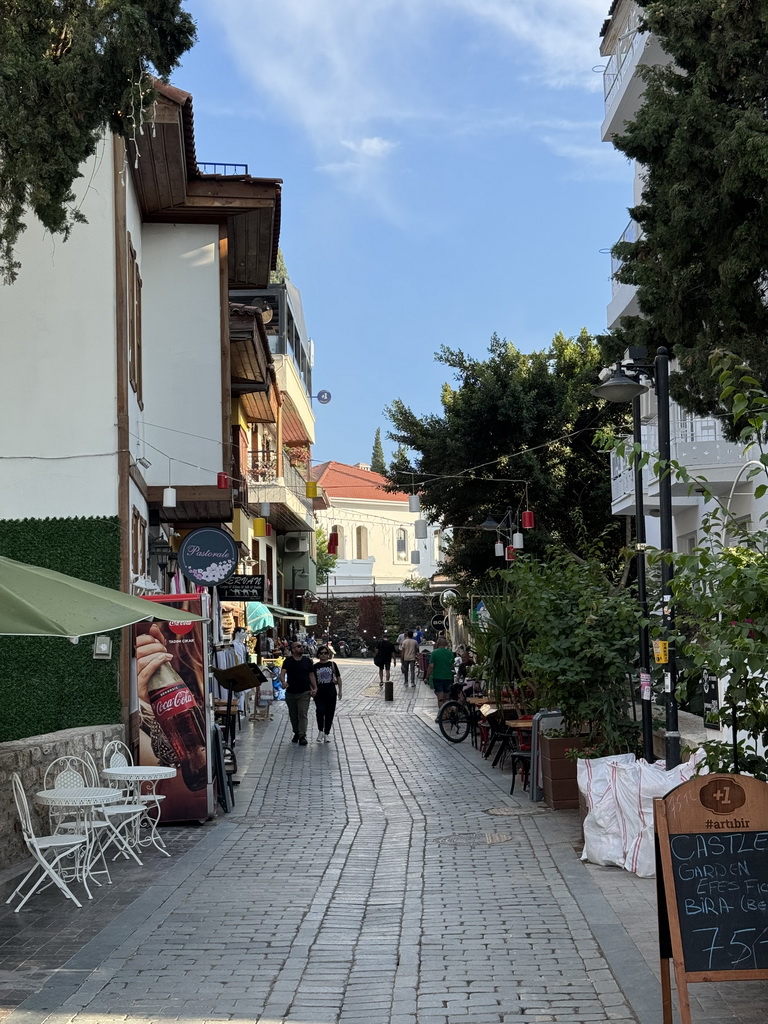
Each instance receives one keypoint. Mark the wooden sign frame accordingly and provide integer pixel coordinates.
(716, 817)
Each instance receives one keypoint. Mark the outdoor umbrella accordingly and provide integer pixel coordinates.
(40, 602)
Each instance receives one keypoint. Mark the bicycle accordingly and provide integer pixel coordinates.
(455, 717)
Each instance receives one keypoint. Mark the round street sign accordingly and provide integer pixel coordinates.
(208, 556)
(437, 622)
(436, 606)
(323, 397)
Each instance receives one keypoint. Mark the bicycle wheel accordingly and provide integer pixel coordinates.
(454, 721)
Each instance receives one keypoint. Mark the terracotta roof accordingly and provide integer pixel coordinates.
(341, 481)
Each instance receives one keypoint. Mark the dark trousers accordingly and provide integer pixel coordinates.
(325, 706)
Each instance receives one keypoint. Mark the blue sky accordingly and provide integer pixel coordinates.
(443, 174)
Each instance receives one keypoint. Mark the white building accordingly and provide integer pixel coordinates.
(374, 533)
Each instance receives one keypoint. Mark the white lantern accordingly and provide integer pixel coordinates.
(169, 497)
(517, 541)
(415, 557)
(420, 527)
(499, 549)
(264, 509)
(414, 505)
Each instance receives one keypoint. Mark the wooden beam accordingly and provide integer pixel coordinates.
(226, 356)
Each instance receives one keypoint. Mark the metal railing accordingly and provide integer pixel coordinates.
(262, 469)
(615, 72)
(631, 233)
(207, 168)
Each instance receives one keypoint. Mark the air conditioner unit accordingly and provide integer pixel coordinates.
(648, 406)
(296, 542)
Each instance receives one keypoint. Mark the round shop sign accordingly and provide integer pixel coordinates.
(208, 556)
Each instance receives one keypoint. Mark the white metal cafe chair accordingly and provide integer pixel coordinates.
(47, 852)
(117, 755)
(74, 772)
(120, 814)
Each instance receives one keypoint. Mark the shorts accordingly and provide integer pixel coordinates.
(442, 685)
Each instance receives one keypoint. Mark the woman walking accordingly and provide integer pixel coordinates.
(328, 679)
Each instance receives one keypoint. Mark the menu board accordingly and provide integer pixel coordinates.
(712, 848)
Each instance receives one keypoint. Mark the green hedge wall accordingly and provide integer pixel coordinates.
(48, 683)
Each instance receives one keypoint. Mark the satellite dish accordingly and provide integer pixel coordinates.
(323, 397)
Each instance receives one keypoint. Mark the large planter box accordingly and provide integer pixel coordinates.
(561, 791)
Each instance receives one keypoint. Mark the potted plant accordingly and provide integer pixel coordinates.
(582, 636)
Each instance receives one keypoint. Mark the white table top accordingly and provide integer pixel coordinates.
(76, 796)
(139, 772)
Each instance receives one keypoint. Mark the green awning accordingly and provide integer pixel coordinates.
(40, 602)
(285, 613)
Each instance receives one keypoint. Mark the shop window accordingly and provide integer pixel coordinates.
(401, 545)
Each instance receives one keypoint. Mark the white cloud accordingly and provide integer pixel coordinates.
(346, 69)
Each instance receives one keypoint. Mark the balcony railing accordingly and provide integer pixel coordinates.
(630, 39)
(631, 233)
(207, 168)
(262, 470)
(262, 467)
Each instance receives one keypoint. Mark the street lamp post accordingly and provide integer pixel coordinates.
(621, 387)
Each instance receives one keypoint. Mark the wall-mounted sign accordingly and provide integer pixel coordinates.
(208, 556)
(242, 588)
(323, 397)
(712, 870)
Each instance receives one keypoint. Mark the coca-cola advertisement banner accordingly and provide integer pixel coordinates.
(171, 681)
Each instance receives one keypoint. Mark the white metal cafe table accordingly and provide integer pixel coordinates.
(83, 799)
(136, 775)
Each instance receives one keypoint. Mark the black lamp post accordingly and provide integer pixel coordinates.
(621, 387)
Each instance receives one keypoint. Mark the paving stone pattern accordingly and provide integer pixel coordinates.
(361, 880)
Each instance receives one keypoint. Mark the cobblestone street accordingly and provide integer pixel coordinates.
(386, 876)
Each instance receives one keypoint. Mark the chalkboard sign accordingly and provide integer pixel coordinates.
(712, 849)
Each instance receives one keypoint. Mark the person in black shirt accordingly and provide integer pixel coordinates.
(298, 678)
(328, 679)
(385, 654)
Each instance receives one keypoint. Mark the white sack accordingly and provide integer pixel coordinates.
(602, 835)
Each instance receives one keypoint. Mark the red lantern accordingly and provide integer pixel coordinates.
(333, 544)
(510, 553)
(527, 519)
(222, 481)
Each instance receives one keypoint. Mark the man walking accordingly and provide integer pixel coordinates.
(385, 653)
(441, 670)
(409, 652)
(298, 678)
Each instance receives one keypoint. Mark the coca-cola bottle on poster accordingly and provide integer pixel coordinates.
(178, 715)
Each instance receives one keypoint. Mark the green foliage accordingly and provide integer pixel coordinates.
(511, 419)
(70, 70)
(326, 562)
(47, 683)
(565, 634)
(280, 273)
(378, 465)
(701, 136)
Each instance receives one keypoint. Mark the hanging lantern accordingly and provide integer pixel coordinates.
(510, 553)
(414, 505)
(265, 509)
(333, 544)
(420, 527)
(259, 528)
(518, 542)
(222, 481)
(169, 497)
(311, 489)
(528, 521)
(498, 548)
(415, 557)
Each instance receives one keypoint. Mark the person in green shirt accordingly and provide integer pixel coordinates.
(441, 671)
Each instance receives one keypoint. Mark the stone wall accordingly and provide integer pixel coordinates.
(29, 758)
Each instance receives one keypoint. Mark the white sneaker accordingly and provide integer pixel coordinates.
(320, 737)
(328, 738)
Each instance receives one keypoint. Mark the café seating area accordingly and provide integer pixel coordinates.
(94, 816)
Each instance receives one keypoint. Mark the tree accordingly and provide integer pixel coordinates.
(280, 274)
(378, 465)
(70, 70)
(512, 417)
(701, 135)
(326, 562)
